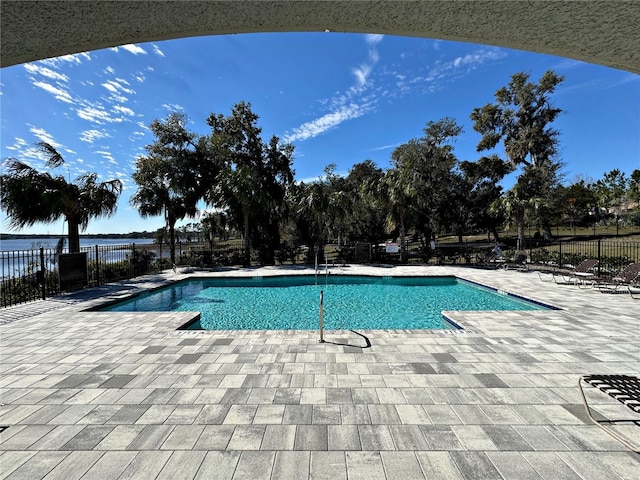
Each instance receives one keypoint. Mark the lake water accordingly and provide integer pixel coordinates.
(35, 243)
(18, 256)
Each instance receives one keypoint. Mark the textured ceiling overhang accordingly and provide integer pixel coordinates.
(601, 32)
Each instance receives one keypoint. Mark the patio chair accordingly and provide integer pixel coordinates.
(490, 259)
(626, 278)
(518, 262)
(582, 273)
(625, 389)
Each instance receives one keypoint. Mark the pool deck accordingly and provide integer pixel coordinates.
(102, 395)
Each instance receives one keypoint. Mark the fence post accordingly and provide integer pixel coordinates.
(560, 256)
(97, 268)
(44, 277)
(133, 258)
(599, 258)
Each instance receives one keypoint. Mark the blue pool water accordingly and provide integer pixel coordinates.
(350, 302)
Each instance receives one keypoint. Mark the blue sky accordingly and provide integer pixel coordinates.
(339, 98)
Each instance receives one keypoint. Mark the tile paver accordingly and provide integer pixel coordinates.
(125, 395)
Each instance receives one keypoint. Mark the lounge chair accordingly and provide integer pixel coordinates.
(518, 262)
(625, 389)
(626, 278)
(490, 259)
(583, 272)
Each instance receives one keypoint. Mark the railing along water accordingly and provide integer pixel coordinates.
(27, 275)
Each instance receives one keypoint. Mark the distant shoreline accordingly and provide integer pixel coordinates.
(27, 236)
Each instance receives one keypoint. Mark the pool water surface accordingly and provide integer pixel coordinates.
(350, 302)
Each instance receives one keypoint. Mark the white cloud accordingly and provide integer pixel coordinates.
(76, 58)
(363, 71)
(326, 122)
(107, 155)
(117, 89)
(157, 51)
(468, 62)
(373, 38)
(384, 147)
(36, 69)
(116, 86)
(44, 136)
(90, 136)
(18, 144)
(173, 107)
(109, 70)
(109, 86)
(431, 79)
(131, 48)
(123, 110)
(98, 115)
(58, 93)
(345, 106)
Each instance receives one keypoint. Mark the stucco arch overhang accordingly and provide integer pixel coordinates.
(602, 32)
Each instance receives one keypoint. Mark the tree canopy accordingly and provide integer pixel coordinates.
(521, 119)
(253, 179)
(30, 196)
(173, 174)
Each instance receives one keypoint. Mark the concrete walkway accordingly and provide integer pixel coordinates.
(100, 395)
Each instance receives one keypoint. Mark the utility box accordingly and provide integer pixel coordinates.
(362, 253)
(73, 272)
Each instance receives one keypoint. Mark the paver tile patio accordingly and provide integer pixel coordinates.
(89, 394)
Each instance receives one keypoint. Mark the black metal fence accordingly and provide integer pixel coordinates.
(28, 275)
(218, 253)
(612, 256)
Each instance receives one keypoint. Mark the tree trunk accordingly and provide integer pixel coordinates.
(402, 242)
(74, 235)
(171, 223)
(521, 237)
(247, 243)
(494, 231)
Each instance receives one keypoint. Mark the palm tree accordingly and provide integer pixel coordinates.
(171, 176)
(29, 196)
(157, 195)
(238, 190)
(312, 202)
(400, 194)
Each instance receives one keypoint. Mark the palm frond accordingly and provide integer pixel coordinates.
(17, 168)
(54, 159)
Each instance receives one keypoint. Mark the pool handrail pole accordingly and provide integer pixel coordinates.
(321, 316)
(316, 270)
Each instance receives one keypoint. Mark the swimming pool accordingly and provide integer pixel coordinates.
(350, 302)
